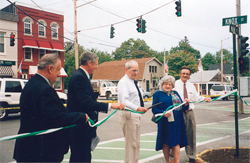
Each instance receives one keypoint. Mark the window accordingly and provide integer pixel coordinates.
(149, 68)
(58, 83)
(41, 53)
(27, 54)
(55, 52)
(1, 42)
(54, 32)
(27, 26)
(13, 86)
(41, 29)
(155, 69)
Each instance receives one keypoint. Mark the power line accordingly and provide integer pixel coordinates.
(49, 15)
(147, 27)
(130, 18)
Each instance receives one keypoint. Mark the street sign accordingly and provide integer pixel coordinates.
(233, 29)
(7, 63)
(234, 20)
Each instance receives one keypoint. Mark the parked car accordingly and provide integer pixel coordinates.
(10, 92)
(145, 93)
(218, 90)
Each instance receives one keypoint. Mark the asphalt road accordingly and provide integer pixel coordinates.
(218, 114)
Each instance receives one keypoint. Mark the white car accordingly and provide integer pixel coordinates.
(218, 90)
(10, 92)
(145, 93)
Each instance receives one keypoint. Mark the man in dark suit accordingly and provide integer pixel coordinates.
(81, 98)
(42, 109)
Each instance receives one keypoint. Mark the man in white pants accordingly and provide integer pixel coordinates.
(192, 95)
(130, 95)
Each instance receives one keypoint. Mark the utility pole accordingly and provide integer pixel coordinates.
(221, 56)
(164, 62)
(238, 51)
(76, 42)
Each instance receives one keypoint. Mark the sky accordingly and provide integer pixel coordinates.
(201, 22)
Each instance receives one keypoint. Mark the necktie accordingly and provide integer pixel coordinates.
(185, 91)
(141, 101)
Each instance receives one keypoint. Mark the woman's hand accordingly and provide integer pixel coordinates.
(187, 101)
(167, 115)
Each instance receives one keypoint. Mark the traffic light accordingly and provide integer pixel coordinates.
(243, 45)
(112, 32)
(243, 64)
(12, 39)
(143, 26)
(178, 8)
(139, 21)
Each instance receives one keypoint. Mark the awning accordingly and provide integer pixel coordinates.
(44, 45)
(30, 44)
(33, 71)
(57, 46)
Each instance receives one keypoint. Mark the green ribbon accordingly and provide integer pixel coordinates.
(97, 124)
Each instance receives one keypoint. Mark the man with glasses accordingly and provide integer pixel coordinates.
(130, 95)
(188, 90)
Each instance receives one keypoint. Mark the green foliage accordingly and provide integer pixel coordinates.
(133, 49)
(227, 56)
(185, 46)
(207, 60)
(178, 59)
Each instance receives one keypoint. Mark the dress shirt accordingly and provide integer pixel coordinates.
(191, 91)
(86, 72)
(127, 93)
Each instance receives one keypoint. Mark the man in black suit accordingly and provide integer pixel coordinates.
(42, 109)
(81, 98)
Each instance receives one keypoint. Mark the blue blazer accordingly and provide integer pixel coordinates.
(42, 109)
(81, 98)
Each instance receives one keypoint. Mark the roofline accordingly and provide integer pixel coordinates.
(155, 59)
(37, 8)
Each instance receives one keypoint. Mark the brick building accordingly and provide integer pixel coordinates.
(35, 40)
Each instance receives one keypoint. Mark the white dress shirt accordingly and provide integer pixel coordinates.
(192, 93)
(128, 94)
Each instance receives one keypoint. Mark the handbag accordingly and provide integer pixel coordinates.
(153, 119)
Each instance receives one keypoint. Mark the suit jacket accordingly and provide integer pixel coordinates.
(81, 98)
(42, 109)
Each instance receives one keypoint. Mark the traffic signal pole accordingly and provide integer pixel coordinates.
(236, 97)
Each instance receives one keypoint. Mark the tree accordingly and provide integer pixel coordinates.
(207, 60)
(178, 59)
(185, 46)
(227, 56)
(132, 49)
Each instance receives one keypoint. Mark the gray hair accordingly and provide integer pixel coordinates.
(167, 79)
(46, 60)
(129, 64)
(88, 56)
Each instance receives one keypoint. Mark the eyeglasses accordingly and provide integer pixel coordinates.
(135, 71)
(185, 74)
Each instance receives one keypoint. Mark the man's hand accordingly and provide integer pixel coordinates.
(167, 115)
(87, 118)
(207, 99)
(187, 101)
(142, 109)
(119, 106)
